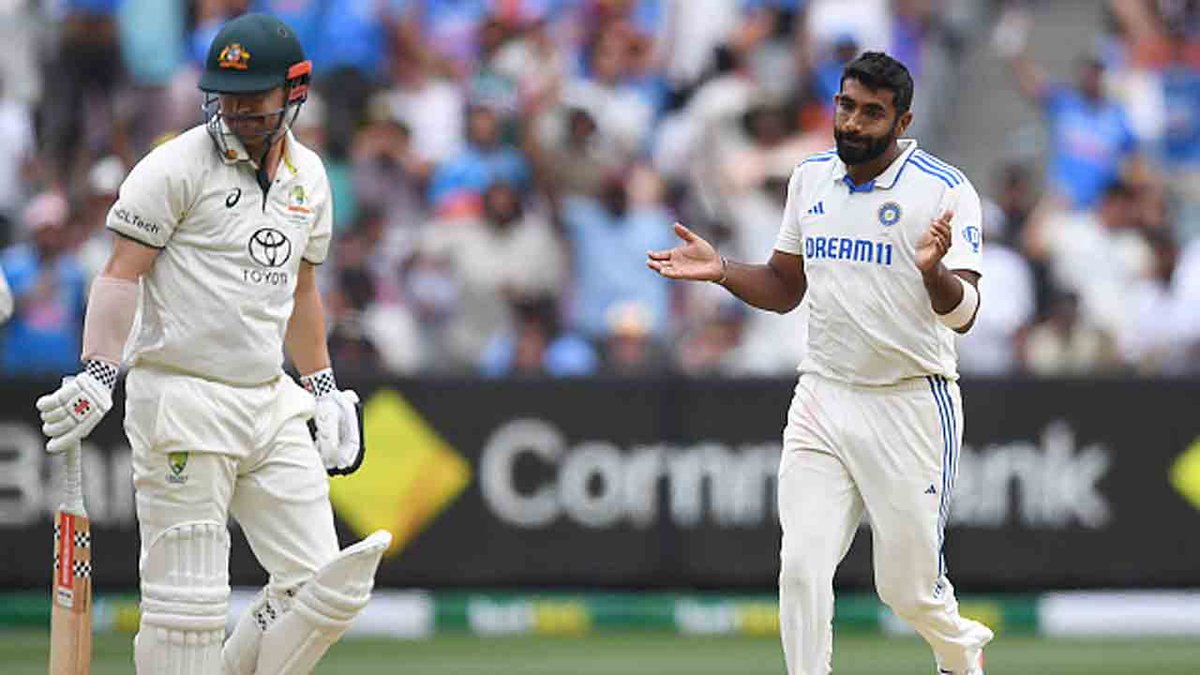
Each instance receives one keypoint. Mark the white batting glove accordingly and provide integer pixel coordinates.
(70, 413)
(339, 441)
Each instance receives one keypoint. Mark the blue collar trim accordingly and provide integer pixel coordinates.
(865, 187)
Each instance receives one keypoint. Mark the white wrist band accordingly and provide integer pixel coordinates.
(961, 315)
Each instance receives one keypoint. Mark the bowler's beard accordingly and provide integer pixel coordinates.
(869, 149)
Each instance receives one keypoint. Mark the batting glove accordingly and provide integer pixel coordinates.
(70, 413)
(338, 437)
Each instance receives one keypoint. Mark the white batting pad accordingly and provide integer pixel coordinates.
(240, 652)
(323, 609)
(185, 595)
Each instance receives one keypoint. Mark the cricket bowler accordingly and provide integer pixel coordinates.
(884, 242)
(218, 234)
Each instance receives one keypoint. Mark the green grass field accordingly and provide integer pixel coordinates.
(24, 653)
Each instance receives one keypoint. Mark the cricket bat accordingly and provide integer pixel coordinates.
(71, 590)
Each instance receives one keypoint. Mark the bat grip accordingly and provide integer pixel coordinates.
(73, 481)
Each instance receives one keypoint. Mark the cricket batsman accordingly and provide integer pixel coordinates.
(884, 241)
(218, 234)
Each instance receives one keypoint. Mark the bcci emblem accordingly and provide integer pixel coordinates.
(177, 461)
(973, 236)
(889, 214)
(270, 248)
(234, 56)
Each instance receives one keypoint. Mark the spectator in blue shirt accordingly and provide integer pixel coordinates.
(457, 186)
(92, 7)
(536, 345)
(1181, 137)
(153, 38)
(348, 44)
(1181, 101)
(606, 237)
(827, 72)
(48, 286)
(1089, 134)
(340, 33)
(305, 17)
(83, 75)
(450, 30)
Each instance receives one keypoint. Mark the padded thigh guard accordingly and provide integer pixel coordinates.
(185, 597)
(322, 610)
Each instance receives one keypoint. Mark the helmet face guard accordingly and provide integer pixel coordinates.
(223, 126)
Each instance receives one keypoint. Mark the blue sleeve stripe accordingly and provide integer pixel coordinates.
(936, 173)
(934, 162)
(943, 165)
(820, 157)
(946, 165)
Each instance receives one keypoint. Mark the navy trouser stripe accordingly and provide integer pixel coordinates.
(941, 396)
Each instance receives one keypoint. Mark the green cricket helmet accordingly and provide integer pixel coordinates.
(254, 53)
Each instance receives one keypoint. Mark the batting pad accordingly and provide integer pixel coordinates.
(185, 596)
(323, 609)
(240, 652)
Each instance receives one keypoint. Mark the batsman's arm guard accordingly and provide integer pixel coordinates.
(112, 305)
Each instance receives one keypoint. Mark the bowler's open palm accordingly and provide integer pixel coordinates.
(694, 259)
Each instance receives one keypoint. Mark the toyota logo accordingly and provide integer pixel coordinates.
(270, 248)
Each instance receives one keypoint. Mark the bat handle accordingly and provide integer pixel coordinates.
(73, 481)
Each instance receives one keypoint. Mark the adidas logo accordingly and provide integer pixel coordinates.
(931, 490)
(817, 209)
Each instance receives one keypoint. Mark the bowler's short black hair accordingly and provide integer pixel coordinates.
(876, 70)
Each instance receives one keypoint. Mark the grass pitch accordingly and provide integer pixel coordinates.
(24, 652)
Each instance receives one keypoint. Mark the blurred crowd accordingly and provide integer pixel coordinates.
(501, 167)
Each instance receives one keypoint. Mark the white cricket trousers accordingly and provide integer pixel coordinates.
(891, 451)
(248, 453)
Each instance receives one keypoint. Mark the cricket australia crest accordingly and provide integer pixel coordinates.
(177, 461)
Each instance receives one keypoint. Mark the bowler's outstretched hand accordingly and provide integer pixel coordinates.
(694, 259)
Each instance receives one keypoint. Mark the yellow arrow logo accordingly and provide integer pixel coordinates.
(1185, 474)
(410, 474)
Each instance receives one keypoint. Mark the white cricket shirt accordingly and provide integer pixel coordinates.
(871, 322)
(217, 301)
